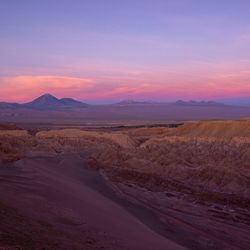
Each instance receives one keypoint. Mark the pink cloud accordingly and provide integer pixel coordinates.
(22, 88)
(196, 80)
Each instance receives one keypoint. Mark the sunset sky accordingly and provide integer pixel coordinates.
(109, 50)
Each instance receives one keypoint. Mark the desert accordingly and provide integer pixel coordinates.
(185, 187)
(124, 125)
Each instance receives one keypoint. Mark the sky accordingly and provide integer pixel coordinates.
(105, 51)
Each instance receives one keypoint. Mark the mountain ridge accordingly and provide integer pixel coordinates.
(48, 101)
(48, 108)
(199, 103)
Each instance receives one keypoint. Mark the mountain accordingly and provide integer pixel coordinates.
(197, 103)
(177, 103)
(49, 101)
(9, 105)
(49, 109)
(133, 102)
(44, 101)
(71, 102)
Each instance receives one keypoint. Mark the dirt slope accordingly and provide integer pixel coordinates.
(121, 139)
(219, 129)
(71, 201)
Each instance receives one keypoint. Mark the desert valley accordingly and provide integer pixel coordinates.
(124, 125)
(174, 186)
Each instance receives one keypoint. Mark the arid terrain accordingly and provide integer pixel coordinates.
(180, 187)
(124, 125)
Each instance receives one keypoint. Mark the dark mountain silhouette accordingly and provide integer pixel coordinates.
(198, 103)
(49, 101)
(44, 101)
(48, 108)
(9, 105)
(178, 103)
(133, 102)
(72, 102)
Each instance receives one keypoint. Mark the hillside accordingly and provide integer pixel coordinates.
(217, 129)
(171, 181)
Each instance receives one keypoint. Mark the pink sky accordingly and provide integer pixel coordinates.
(197, 80)
(111, 50)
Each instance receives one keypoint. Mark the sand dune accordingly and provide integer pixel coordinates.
(59, 191)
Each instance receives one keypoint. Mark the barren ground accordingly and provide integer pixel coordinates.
(146, 188)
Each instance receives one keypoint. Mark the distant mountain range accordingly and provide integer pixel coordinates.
(133, 102)
(50, 102)
(49, 109)
(179, 103)
(201, 103)
(47, 102)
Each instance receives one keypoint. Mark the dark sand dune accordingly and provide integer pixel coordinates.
(74, 205)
